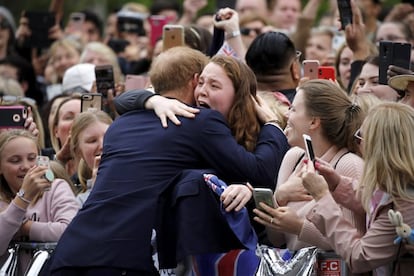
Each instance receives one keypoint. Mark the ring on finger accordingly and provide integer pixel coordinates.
(271, 221)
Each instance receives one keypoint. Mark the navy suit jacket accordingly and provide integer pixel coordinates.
(139, 159)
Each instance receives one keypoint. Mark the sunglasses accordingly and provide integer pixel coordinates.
(248, 31)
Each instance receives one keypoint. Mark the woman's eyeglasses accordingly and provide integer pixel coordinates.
(358, 136)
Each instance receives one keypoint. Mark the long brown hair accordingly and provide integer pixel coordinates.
(242, 119)
(340, 118)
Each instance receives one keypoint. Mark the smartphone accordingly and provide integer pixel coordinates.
(310, 68)
(393, 53)
(13, 116)
(309, 148)
(130, 22)
(172, 36)
(39, 23)
(326, 72)
(76, 20)
(345, 12)
(104, 79)
(42, 161)
(157, 23)
(263, 195)
(91, 102)
(133, 82)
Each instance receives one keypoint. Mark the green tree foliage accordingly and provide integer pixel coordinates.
(102, 7)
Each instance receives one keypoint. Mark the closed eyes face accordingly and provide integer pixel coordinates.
(91, 142)
(215, 90)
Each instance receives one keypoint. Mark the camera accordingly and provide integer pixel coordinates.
(131, 22)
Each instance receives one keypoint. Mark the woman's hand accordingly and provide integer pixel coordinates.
(394, 70)
(292, 190)
(23, 31)
(170, 108)
(313, 182)
(328, 172)
(34, 182)
(96, 162)
(227, 19)
(282, 219)
(355, 34)
(64, 154)
(263, 111)
(30, 125)
(235, 197)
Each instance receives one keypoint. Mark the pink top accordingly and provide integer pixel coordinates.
(50, 215)
(346, 164)
(374, 249)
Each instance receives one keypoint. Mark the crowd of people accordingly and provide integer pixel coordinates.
(124, 189)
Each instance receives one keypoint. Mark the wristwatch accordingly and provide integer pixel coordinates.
(20, 194)
(233, 34)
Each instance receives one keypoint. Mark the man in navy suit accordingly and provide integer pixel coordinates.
(112, 232)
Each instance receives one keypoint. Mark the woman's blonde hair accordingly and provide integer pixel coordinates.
(81, 122)
(241, 118)
(388, 133)
(106, 53)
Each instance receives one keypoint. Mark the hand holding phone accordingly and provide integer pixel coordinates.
(44, 161)
(309, 147)
(13, 116)
(327, 73)
(393, 53)
(345, 12)
(157, 23)
(91, 102)
(40, 23)
(104, 79)
(264, 195)
(310, 68)
(172, 36)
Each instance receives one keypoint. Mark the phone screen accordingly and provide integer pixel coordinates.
(39, 23)
(345, 12)
(263, 195)
(309, 147)
(104, 79)
(393, 53)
